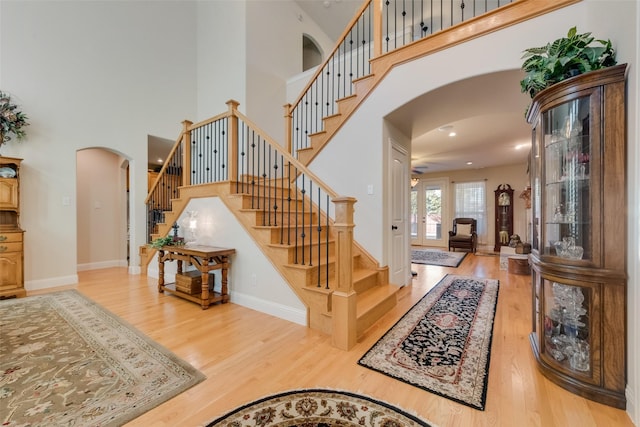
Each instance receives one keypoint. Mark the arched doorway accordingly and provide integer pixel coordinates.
(102, 194)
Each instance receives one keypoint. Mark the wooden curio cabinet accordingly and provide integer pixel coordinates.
(11, 235)
(578, 254)
(504, 216)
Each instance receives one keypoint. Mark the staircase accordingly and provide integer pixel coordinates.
(308, 237)
(301, 225)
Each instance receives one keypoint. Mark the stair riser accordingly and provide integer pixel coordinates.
(286, 236)
(365, 283)
(365, 320)
(245, 201)
(274, 218)
(310, 275)
(287, 255)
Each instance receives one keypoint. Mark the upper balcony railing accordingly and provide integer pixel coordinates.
(377, 28)
(382, 27)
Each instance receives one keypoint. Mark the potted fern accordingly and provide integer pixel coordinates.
(564, 58)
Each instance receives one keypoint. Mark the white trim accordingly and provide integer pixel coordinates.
(102, 264)
(271, 308)
(35, 285)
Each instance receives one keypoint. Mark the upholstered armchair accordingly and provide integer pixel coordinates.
(463, 234)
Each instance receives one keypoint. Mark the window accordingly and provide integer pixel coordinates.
(471, 202)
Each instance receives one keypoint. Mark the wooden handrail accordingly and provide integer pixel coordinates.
(288, 157)
(344, 34)
(164, 167)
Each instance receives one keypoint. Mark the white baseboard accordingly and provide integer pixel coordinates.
(271, 308)
(631, 405)
(102, 264)
(36, 285)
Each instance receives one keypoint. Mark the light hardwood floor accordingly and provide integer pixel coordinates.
(247, 355)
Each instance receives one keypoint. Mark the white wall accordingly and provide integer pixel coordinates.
(90, 74)
(253, 280)
(221, 56)
(274, 54)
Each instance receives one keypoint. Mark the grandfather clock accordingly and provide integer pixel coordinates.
(504, 216)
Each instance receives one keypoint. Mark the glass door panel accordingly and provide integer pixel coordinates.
(567, 146)
(427, 213)
(567, 339)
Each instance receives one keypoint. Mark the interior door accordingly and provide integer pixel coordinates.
(428, 210)
(399, 268)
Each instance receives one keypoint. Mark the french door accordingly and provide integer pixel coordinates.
(428, 210)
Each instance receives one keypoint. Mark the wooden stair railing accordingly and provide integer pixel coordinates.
(372, 37)
(304, 227)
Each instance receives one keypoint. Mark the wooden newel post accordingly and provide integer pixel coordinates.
(288, 136)
(343, 302)
(232, 167)
(377, 29)
(186, 152)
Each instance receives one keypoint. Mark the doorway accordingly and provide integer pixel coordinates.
(102, 210)
(428, 210)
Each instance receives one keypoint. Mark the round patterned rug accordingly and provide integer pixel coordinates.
(318, 408)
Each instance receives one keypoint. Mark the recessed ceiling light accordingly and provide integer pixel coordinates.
(452, 134)
(469, 163)
(160, 160)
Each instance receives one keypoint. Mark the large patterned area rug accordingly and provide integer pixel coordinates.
(318, 408)
(443, 343)
(437, 257)
(65, 361)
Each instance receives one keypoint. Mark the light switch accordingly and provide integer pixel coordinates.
(370, 189)
(66, 201)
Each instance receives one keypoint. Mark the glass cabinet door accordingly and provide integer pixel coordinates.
(535, 189)
(567, 339)
(567, 154)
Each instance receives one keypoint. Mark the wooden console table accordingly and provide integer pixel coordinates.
(203, 258)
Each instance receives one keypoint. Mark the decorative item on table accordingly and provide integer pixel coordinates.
(514, 240)
(12, 120)
(190, 224)
(167, 241)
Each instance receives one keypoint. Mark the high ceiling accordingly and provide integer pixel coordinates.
(486, 112)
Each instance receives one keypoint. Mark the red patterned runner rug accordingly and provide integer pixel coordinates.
(443, 343)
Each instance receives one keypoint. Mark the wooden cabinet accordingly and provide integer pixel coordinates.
(11, 235)
(504, 216)
(578, 254)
